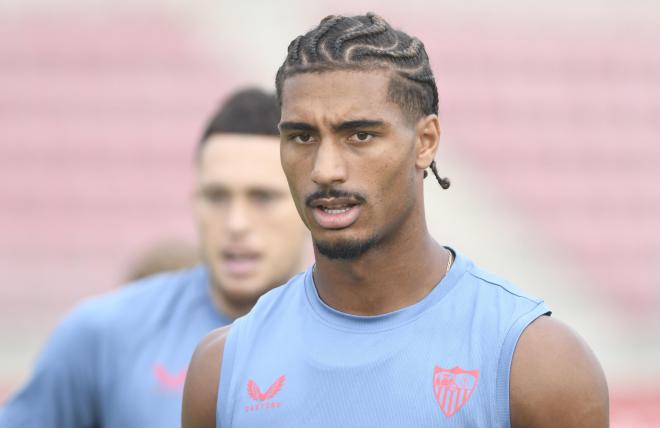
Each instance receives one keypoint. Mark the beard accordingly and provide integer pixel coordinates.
(346, 249)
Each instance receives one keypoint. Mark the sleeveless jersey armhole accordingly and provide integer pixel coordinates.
(506, 358)
(224, 405)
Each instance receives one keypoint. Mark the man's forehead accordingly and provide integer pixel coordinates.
(341, 95)
(234, 158)
(239, 147)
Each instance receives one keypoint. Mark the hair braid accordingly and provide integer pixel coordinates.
(444, 182)
(411, 53)
(325, 26)
(294, 50)
(377, 26)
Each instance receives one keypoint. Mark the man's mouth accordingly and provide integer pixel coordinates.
(335, 213)
(337, 210)
(240, 263)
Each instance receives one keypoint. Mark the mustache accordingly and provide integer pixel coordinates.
(334, 193)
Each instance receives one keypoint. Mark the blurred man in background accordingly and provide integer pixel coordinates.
(120, 360)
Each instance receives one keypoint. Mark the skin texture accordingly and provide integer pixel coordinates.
(201, 388)
(555, 379)
(251, 237)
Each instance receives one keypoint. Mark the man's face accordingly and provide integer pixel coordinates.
(349, 157)
(252, 238)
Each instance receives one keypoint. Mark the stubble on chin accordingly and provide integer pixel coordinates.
(346, 249)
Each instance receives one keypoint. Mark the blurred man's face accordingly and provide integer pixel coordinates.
(252, 237)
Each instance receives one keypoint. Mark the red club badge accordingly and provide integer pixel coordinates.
(453, 388)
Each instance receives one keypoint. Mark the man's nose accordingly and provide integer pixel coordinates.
(329, 164)
(238, 220)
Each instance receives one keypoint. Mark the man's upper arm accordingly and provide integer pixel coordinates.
(61, 389)
(556, 381)
(200, 394)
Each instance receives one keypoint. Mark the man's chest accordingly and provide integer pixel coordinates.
(405, 391)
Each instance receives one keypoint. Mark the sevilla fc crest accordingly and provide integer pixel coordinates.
(453, 388)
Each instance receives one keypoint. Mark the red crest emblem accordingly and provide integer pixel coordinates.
(255, 393)
(453, 388)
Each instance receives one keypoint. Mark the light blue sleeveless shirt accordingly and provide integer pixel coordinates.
(293, 361)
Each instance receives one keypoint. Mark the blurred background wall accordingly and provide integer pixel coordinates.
(551, 120)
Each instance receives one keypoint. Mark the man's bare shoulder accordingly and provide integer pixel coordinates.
(200, 393)
(556, 379)
(213, 343)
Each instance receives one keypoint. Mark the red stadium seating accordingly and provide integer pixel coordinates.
(99, 120)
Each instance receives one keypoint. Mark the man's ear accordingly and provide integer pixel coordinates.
(427, 141)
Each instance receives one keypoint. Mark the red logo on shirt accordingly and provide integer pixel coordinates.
(453, 388)
(255, 393)
(169, 381)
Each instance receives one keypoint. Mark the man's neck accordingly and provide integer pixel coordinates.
(229, 309)
(386, 278)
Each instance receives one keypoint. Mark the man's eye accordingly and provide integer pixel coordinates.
(263, 197)
(301, 138)
(361, 137)
(215, 197)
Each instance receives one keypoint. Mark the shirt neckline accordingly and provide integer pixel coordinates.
(388, 320)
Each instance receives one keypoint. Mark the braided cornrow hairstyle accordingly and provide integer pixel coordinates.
(368, 42)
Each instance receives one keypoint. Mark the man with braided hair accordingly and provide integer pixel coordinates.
(389, 328)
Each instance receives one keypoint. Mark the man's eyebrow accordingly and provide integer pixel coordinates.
(296, 126)
(266, 189)
(213, 187)
(356, 124)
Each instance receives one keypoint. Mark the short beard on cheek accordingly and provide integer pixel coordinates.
(346, 249)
